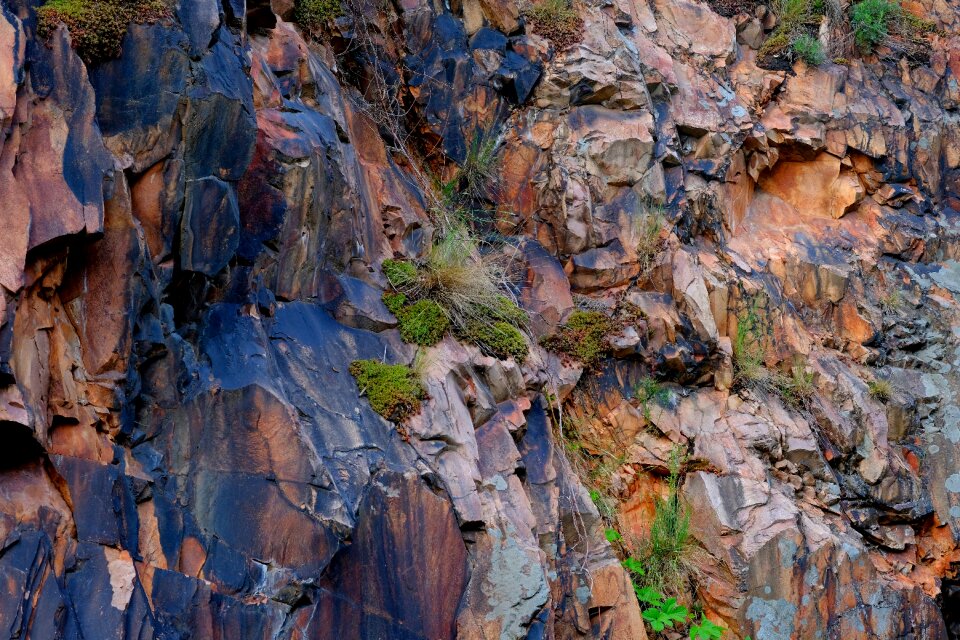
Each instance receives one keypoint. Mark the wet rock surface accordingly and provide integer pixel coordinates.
(190, 251)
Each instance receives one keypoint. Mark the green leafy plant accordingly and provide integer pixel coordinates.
(496, 338)
(555, 20)
(666, 615)
(97, 27)
(809, 49)
(870, 22)
(633, 565)
(612, 535)
(706, 630)
(394, 391)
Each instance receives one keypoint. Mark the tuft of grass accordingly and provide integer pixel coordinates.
(809, 49)
(312, 15)
(555, 20)
(648, 230)
(668, 554)
(456, 286)
(796, 19)
(394, 391)
(892, 301)
(880, 389)
(97, 27)
(748, 350)
(796, 389)
(585, 336)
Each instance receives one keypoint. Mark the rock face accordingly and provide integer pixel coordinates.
(190, 246)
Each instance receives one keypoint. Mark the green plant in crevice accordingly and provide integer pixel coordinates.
(648, 226)
(647, 391)
(393, 390)
(312, 15)
(399, 273)
(796, 388)
(455, 287)
(749, 353)
(97, 27)
(880, 389)
(584, 336)
(809, 49)
(669, 552)
(706, 630)
(422, 322)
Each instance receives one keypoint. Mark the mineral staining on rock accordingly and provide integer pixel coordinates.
(341, 319)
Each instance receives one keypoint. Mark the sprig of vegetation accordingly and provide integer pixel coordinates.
(748, 350)
(456, 287)
(648, 390)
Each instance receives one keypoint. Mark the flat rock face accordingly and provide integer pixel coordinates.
(191, 245)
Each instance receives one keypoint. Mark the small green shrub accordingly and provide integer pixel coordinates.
(809, 49)
(497, 338)
(97, 27)
(313, 14)
(423, 323)
(880, 389)
(394, 391)
(585, 336)
(557, 21)
(399, 273)
(870, 21)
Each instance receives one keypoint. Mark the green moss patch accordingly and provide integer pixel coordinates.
(585, 337)
(498, 339)
(97, 27)
(392, 389)
(422, 322)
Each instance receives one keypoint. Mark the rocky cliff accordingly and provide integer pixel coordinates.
(765, 240)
